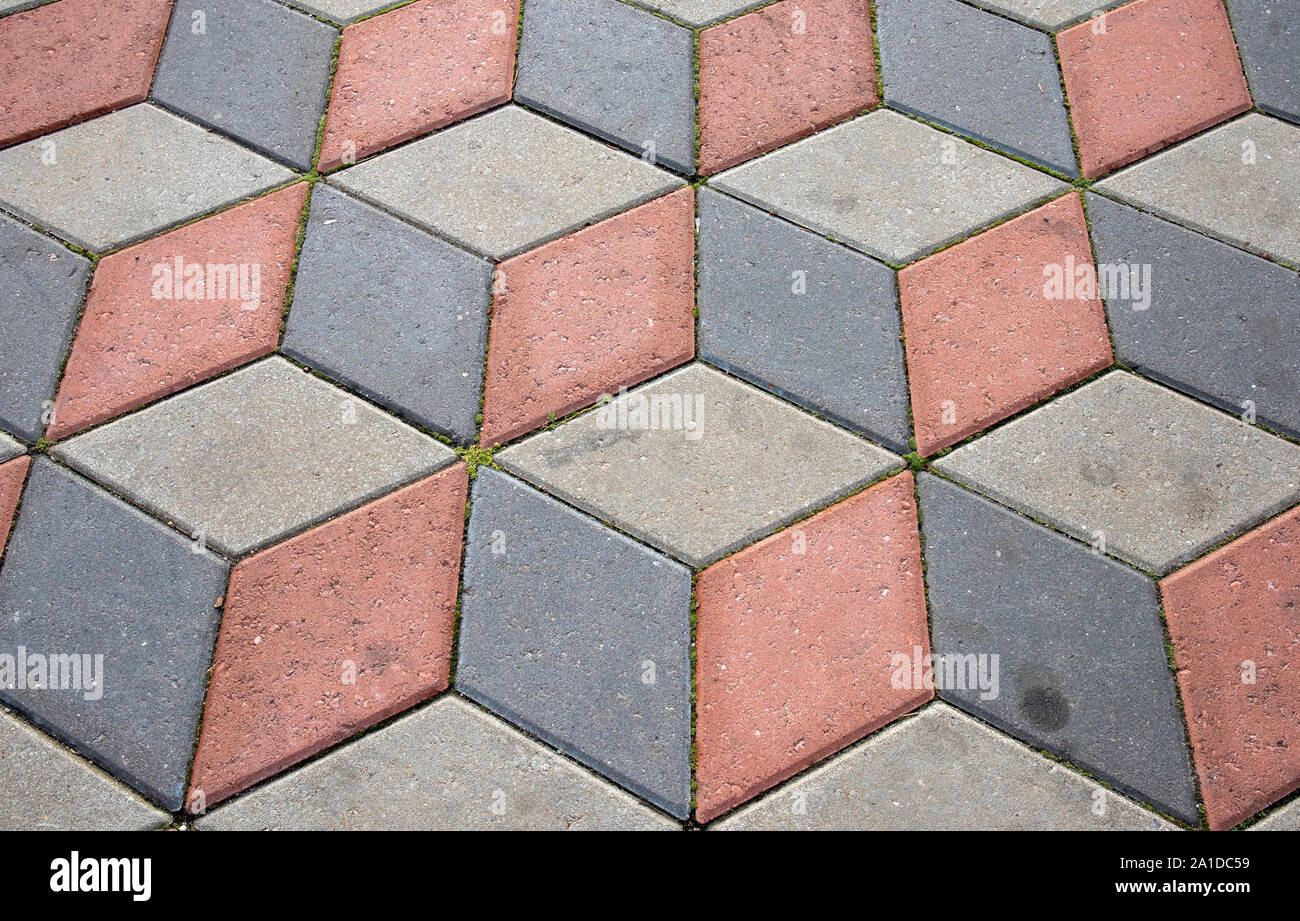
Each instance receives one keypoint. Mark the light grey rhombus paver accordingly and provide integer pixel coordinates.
(889, 186)
(697, 463)
(9, 448)
(255, 455)
(598, 667)
(1285, 819)
(448, 766)
(46, 788)
(699, 12)
(1048, 14)
(1237, 182)
(942, 771)
(1155, 477)
(123, 176)
(506, 181)
(341, 11)
(621, 73)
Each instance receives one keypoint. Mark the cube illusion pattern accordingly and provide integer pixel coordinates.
(496, 429)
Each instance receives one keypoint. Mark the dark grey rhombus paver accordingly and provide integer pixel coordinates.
(941, 770)
(1144, 473)
(392, 312)
(990, 79)
(1268, 37)
(47, 788)
(1219, 324)
(448, 766)
(803, 317)
(1073, 638)
(580, 635)
(87, 575)
(256, 70)
(616, 71)
(41, 288)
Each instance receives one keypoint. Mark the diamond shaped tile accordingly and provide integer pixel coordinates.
(698, 12)
(697, 463)
(392, 312)
(86, 575)
(1048, 14)
(800, 316)
(1193, 329)
(506, 181)
(341, 11)
(1072, 641)
(796, 643)
(599, 668)
(1236, 183)
(448, 766)
(10, 448)
(1153, 476)
(888, 185)
(124, 176)
(12, 474)
(1268, 35)
(255, 455)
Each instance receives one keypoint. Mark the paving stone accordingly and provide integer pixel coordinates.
(47, 789)
(16, 6)
(775, 75)
(881, 184)
(1236, 183)
(392, 312)
(506, 182)
(800, 316)
(578, 318)
(1147, 75)
(988, 334)
(258, 71)
(599, 667)
(1268, 35)
(615, 71)
(1048, 14)
(86, 575)
(156, 321)
(1157, 477)
(332, 632)
(127, 175)
(10, 448)
(75, 59)
(910, 777)
(250, 457)
(1232, 622)
(698, 12)
(697, 464)
(415, 69)
(1055, 644)
(12, 475)
(989, 79)
(796, 643)
(41, 288)
(1285, 819)
(1196, 332)
(447, 766)
(341, 11)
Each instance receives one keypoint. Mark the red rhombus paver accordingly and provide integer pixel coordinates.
(1234, 618)
(12, 475)
(330, 632)
(1149, 74)
(796, 643)
(66, 61)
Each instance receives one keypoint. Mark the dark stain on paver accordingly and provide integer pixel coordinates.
(1046, 708)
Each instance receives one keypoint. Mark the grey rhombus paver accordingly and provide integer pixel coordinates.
(341, 11)
(1156, 476)
(977, 73)
(699, 12)
(87, 575)
(42, 285)
(123, 176)
(506, 181)
(803, 317)
(581, 636)
(1285, 819)
(48, 789)
(942, 770)
(1048, 14)
(1220, 324)
(250, 457)
(888, 185)
(1268, 37)
(447, 766)
(697, 463)
(1236, 183)
(258, 71)
(9, 447)
(621, 73)
(1073, 641)
(15, 6)
(392, 312)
